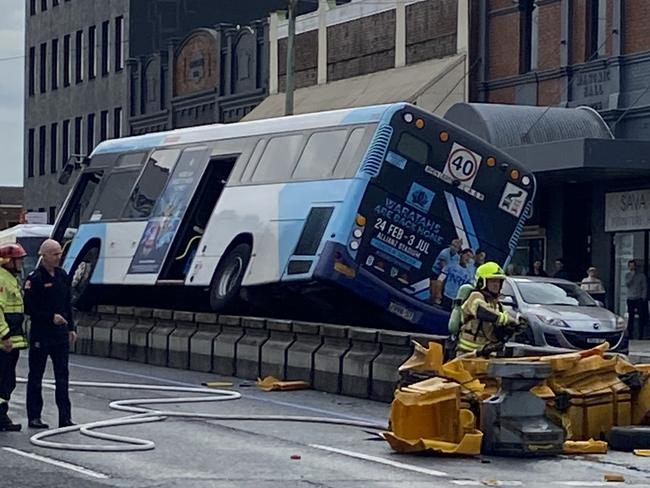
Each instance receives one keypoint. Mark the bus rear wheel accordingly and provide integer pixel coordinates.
(83, 296)
(226, 283)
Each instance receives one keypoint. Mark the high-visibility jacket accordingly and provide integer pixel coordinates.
(483, 314)
(11, 310)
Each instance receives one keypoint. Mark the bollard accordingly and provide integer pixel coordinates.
(274, 351)
(179, 340)
(357, 363)
(202, 342)
(101, 334)
(120, 333)
(158, 338)
(300, 355)
(249, 348)
(395, 349)
(225, 345)
(84, 322)
(138, 335)
(328, 359)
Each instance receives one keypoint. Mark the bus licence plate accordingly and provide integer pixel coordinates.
(595, 340)
(401, 311)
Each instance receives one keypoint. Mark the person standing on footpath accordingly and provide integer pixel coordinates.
(47, 302)
(637, 299)
(12, 338)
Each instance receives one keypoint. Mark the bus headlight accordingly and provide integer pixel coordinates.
(354, 245)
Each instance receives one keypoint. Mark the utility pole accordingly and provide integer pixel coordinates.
(288, 103)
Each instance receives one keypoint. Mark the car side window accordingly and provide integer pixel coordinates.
(507, 291)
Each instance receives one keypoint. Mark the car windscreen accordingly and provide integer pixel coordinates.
(547, 293)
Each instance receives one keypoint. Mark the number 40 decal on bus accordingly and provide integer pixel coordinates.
(462, 165)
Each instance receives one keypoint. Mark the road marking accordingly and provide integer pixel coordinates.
(487, 483)
(375, 459)
(60, 464)
(584, 483)
(244, 395)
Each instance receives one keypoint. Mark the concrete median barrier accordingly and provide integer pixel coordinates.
(84, 323)
(158, 338)
(202, 342)
(225, 345)
(395, 349)
(274, 351)
(328, 359)
(102, 330)
(138, 335)
(357, 362)
(179, 340)
(300, 355)
(249, 347)
(120, 333)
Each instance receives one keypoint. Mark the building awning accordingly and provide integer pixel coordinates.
(433, 85)
(586, 159)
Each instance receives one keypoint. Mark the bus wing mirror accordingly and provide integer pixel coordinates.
(75, 161)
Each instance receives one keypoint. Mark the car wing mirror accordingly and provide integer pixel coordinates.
(508, 301)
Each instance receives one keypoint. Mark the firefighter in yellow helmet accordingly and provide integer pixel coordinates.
(12, 336)
(485, 323)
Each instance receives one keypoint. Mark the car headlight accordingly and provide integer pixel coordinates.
(620, 323)
(555, 322)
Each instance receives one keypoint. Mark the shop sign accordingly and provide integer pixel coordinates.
(628, 210)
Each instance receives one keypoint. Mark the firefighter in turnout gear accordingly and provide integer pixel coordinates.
(486, 326)
(12, 336)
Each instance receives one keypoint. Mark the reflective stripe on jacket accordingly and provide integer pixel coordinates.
(483, 314)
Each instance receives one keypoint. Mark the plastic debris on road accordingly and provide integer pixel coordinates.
(585, 447)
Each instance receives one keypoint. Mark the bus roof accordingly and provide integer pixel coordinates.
(362, 115)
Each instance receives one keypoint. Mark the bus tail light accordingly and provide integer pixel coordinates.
(361, 220)
(491, 162)
(514, 174)
(408, 117)
(419, 123)
(444, 136)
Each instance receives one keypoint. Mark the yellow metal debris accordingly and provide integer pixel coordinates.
(585, 447)
(271, 383)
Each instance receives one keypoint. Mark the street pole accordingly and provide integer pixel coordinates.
(288, 103)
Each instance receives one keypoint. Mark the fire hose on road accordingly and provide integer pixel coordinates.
(142, 414)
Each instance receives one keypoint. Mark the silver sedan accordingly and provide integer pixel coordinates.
(563, 315)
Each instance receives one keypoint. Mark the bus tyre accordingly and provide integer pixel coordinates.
(82, 291)
(226, 284)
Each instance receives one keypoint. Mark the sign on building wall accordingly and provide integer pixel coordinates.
(196, 64)
(627, 210)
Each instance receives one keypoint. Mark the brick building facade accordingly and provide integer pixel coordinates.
(565, 53)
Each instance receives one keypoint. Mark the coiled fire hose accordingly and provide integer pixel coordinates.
(142, 414)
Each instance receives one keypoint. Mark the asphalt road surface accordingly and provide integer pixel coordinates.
(246, 454)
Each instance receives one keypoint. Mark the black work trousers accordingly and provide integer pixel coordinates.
(38, 354)
(637, 307)
(8, 361)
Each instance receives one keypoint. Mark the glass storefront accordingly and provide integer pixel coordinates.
(627, 245)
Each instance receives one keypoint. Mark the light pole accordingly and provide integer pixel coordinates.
(288, 103)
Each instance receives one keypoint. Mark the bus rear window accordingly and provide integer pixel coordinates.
(413, 148)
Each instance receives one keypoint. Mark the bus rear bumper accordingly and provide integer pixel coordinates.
(337, 266)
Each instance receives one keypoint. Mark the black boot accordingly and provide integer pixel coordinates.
(66, 423)
(38, 424)
(6, 425)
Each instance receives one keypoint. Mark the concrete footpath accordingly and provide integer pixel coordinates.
(640, 351)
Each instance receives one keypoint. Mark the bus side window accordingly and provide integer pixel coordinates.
(253, 161)
(320, 155)
(278, 159)
(114, 193)
(352, 154)
(151, 184)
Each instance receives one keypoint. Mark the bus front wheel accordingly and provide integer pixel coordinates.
(80, 275)
(226, 284)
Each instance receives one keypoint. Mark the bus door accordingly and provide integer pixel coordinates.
(437, 184)
(195, 221)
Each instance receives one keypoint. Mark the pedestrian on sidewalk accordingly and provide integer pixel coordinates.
(538, 269)
(637, 299)
(560, 272)
(12, 337)
(593, 285)
(47, 302)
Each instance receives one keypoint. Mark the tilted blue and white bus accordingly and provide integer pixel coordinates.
(361, 200)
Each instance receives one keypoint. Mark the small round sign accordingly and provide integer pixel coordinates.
(462, 164)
